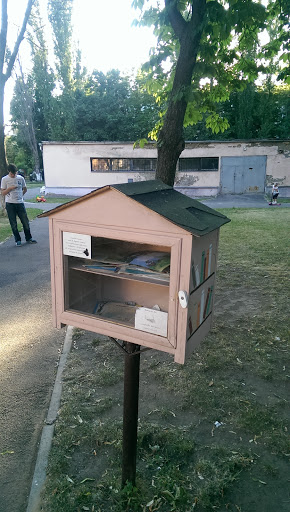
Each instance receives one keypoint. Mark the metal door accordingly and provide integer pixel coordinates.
(243, 174)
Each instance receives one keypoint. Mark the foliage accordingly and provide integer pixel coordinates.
(26, 107)
(205, 51)
(113, 107)
(257, 112)
(7, 61)
(107, 107)
(278, 25)
(59, 13)
(224, 61)
(42, 79)
(222, 100)
(19, 154)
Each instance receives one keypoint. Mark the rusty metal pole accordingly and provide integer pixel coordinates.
(130, 413)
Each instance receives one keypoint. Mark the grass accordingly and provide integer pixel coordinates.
(213, 434)
(5, 229)
(268, 197)
(33, 184)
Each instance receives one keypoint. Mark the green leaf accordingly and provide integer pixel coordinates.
(140, 143)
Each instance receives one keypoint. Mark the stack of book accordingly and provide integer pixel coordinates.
(150, 264)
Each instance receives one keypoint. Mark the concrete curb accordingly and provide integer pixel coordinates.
(48, 430)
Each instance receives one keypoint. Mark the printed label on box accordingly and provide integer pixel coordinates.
(151, 320)
(75, 244)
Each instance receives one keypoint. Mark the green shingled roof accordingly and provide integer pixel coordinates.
(174, 206)
(180, 209)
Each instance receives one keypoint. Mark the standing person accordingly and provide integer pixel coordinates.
(275, 193)
(13, 188)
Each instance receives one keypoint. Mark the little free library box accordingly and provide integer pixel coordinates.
(136, 262)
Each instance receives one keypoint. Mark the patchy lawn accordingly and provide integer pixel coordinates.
(213, 434)
(5, 229)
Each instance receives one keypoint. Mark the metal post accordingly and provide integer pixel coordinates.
(130, 413)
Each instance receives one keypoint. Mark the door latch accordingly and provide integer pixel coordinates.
(183, 298)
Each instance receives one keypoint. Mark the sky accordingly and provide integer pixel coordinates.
(107, 38)
(104, 31)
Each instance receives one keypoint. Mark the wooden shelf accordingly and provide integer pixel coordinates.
(130, 277)
(118, 321)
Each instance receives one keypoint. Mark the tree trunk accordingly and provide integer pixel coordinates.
(4, 76)
(26, 116)
(3, 161)
(170, 140)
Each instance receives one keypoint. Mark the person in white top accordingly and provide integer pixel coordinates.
(13, 188)
(275, 193)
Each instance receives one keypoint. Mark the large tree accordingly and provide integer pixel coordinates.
(41, 78)
(107, 107)
(60, 13)
(113, 107)
(278, 27)
(25, 105)
(256, 112)
(7, 61)
(210, 46)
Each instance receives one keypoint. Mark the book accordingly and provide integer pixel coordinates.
(116, 311)
(112, 268)
(202, 267)
(207, 264)
(206, 303)
(197, 275)
(158, 261)
(190, 326)
(209, 301)
(151, 320)
(147, 266)
(209, 259)
(193, 276)
(198, 315)
(201, 307)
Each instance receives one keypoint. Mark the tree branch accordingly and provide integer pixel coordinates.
(197, 14)
(3, 34)
(178, 23)
(19, 39)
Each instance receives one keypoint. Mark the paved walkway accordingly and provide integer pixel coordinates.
(240, 201)
(221, 201)
(29, 353)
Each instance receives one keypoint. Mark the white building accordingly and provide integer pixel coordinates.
(205, 168)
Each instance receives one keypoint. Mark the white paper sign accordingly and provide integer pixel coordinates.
(77, 245)
(150, 320)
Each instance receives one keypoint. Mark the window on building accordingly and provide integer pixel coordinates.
(149, 164)
(100, 164)
(123, 164)
(120, 164)
(144, 164)
(198, 164)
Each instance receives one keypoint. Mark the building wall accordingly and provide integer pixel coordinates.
(67, 165)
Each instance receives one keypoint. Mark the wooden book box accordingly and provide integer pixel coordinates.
(136, 262)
